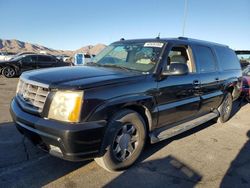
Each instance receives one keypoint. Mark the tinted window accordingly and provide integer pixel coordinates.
(29, 59)
(139, 56)
(45, 59)
(227, 58)
(205, 59)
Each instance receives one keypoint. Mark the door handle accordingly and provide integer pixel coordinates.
(196, 84)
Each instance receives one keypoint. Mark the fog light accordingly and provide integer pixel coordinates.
(54, 150)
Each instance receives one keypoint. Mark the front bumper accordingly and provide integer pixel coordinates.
(72, 142)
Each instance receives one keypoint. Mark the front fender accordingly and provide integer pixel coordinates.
(110, 107)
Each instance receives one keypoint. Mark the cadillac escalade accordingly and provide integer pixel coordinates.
(131, 92)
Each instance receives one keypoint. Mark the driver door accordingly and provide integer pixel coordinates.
(28, 62)
(178, 95)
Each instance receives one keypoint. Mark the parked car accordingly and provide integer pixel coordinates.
(246, 83)
(24, 53)
(64, 58)
(134, 90)
(5, 56)
(244, 57)
(21, 63)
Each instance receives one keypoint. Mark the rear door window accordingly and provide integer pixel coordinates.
(45, 59)
(205, 59)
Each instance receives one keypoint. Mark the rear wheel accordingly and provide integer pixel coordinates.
(9, 72)
(125, 140)
(247, 98)
(225, 108)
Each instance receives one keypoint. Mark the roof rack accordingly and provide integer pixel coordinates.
(183, 38)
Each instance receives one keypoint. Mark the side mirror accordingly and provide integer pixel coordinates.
(176, 68)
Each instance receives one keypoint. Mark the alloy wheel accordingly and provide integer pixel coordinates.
(125, 142)
(9, 72)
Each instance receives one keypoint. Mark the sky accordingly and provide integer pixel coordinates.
(69, 25)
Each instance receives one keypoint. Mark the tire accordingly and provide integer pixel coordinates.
(124, 141)
(9, 72)
(225, 109)
(248, 99)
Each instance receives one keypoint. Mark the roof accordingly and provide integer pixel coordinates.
(179, 39)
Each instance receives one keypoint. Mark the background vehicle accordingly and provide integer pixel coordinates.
(246, 83)
(21, 63)
(244, 57)
(64, 58)
(82, 59)
(133, 90)
(5, 56)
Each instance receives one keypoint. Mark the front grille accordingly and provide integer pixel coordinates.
(32, 95)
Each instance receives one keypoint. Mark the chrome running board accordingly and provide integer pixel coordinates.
(168, 133)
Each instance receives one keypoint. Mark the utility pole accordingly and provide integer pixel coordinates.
(185, 17)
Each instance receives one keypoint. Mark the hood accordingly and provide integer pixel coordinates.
(80, 77)
(7, 61)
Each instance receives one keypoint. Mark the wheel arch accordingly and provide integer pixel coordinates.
(234, 87)
(144, 112)
(143, 105)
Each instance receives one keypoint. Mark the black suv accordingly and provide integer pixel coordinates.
(21, 63)
(133, 90)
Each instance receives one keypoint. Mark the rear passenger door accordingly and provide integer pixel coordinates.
(45, 62)
(210, 88)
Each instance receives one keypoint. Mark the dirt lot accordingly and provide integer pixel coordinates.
(211, 155)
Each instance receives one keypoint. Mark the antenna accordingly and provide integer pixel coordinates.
(158, 37)
(185, 17)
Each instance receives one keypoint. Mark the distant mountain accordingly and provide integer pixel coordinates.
(20, 46)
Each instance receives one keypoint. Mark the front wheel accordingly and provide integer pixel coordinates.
(125, 139)
(225, 108)
(9, 72)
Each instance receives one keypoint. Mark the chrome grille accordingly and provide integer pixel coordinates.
(32, 95)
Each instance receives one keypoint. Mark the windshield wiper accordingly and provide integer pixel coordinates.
(115, 66)
(111, 65)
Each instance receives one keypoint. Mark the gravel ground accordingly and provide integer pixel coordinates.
(211, 155)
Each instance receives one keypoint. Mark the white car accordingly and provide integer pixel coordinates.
(6, 56)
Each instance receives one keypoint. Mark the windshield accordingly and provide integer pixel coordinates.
(16, 58)
(133, 56)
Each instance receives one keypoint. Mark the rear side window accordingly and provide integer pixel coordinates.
(227, 58)
(45, 59)
(205, 59)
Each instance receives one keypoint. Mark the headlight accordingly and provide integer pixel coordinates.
(66, 106)
(19, 85)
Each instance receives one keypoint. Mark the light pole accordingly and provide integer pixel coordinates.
(185, 17)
